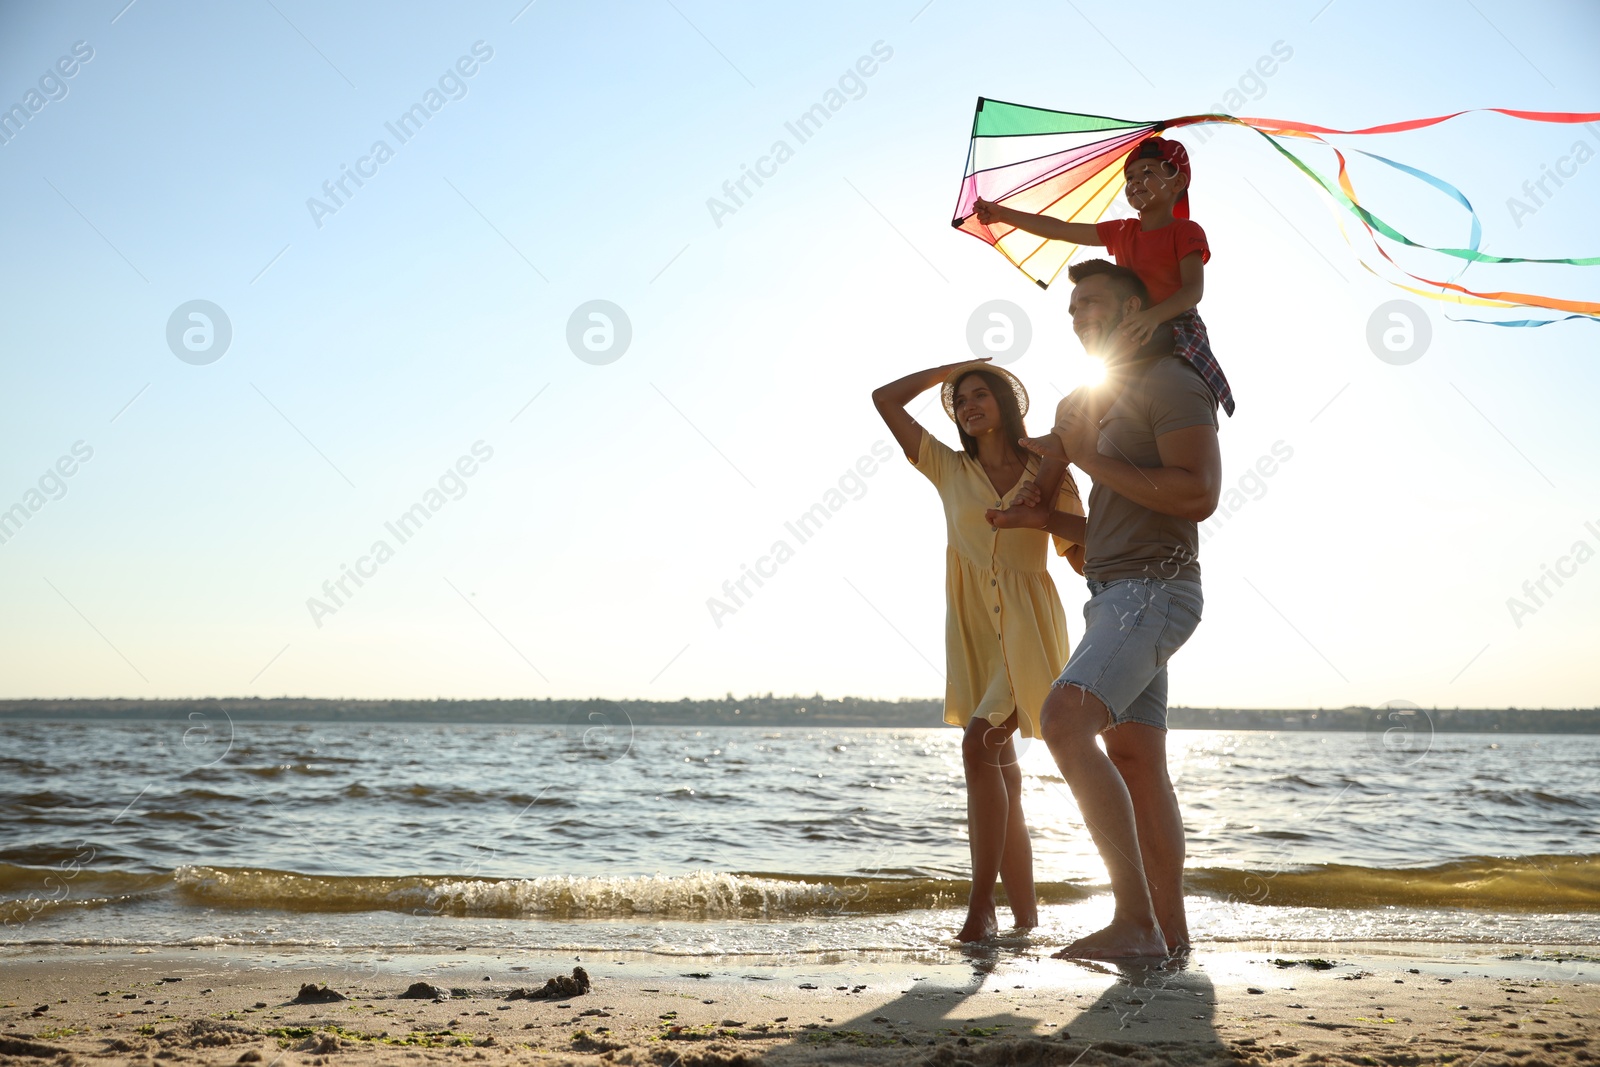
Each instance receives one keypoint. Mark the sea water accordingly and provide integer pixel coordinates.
(704, 841)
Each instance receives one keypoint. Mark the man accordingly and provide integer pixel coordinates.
(1147, 436)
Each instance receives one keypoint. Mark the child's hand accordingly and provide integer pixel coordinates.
(1140, 326)
(986, 212)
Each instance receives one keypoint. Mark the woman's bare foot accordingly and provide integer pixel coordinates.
(1025, 918)
(1120, 940)
(981, 924)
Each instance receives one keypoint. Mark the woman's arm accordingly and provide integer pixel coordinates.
(1028, 510)
(891, 401)
(1079, 233)
(1047, 486)
(1073, 528)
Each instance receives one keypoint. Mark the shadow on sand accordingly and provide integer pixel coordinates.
(1124, 1013)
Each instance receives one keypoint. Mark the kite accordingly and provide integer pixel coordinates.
(1069, 166)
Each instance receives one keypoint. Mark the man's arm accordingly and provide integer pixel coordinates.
(1185, 486)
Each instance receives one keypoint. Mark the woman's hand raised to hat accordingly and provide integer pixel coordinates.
(921, 381)
(891, 401)
(937, 375)
(944, 369)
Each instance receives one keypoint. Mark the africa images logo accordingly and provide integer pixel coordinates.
(199, 332)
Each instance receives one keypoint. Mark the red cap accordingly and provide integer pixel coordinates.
(1167, 151)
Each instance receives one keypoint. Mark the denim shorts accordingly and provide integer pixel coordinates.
(1132, 626)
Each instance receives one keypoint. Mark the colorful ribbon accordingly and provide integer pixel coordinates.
(1069, 166)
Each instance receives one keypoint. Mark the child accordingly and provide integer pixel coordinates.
(1166, 250)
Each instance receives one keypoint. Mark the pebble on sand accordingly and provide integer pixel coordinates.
(558, 988)
(424, 991)
(311, 993)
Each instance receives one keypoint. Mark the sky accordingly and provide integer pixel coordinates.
(229, 379)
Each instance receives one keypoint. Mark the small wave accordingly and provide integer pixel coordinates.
(203, 796)
(15, 765)
(30, 892)
(1523, 883)
(701, 895)
(45, 799)
(278, 769)
(541, 800)
(421, 794)
(17, 863)
(176, 816)
(1526, 884)
(1524, 798)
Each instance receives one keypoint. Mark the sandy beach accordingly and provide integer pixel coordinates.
(1300, 1003)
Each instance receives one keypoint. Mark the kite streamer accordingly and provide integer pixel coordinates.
(1069, 166)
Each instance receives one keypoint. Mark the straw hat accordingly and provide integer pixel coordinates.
(948, 392)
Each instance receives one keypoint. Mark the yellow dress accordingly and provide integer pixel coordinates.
(1005, 633)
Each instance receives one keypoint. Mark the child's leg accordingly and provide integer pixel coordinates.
(1191, 342)
(1051, 471)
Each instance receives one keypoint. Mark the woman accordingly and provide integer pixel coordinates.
(1005, 632)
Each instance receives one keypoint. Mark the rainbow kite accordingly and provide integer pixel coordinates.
(1069, 167)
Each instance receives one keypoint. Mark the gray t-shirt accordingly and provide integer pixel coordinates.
(1128, 540)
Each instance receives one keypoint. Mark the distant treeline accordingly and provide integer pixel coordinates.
(771, 711)
(1441, 720)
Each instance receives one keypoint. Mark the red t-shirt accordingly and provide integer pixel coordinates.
(1154, 255)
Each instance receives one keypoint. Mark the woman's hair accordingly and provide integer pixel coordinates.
(1010, 413)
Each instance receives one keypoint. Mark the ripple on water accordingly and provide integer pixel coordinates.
(402, 798)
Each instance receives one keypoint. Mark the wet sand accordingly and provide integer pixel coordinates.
(1474, 1006)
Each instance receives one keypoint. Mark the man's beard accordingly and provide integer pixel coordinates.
(1104, 344)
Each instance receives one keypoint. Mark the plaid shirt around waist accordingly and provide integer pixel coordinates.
(1190, 342)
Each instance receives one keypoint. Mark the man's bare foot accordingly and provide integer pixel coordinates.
(1024, 918)
(1115, 942)
(981, 925)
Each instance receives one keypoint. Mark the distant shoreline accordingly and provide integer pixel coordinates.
(769, 712)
